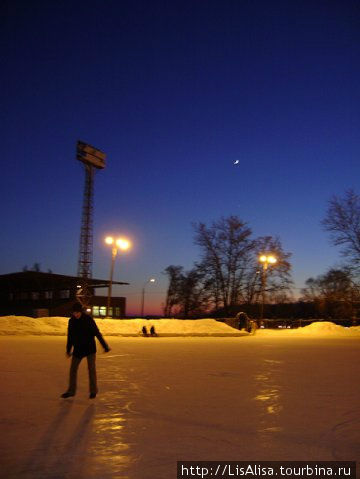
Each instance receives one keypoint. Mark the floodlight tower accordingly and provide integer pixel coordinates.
(92, 159)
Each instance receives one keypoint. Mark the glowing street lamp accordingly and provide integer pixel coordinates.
(117, 243)
(151, 280)
(265, 260)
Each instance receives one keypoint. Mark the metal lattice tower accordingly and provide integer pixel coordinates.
(92, 159)
(86, 231)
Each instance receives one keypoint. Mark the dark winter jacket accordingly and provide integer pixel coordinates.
(81, 336)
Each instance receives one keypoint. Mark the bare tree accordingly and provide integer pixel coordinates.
(194, 294)
(342, 221)
(226, 252)
(312, 290)
(334, 293)
(187, 293)
(174, 274)
(228, 273)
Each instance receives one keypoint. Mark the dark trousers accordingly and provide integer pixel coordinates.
(75, 362)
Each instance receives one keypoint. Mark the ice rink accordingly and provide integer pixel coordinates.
(263, 397)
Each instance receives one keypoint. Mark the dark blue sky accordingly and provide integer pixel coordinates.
(174, 92)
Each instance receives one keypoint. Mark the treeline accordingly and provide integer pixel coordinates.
(336, 293)
(228, 273)
(36, 267)
(228, 278)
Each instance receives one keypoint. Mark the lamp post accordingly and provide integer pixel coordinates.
(118, 243)
(151, 280)
(265, 260)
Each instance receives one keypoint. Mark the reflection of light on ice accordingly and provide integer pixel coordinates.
(271, 429)
(274, 409)
(110, 452)
(108, 424)
(268, 397)
(267, 394)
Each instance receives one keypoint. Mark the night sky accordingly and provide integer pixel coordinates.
(175, 92)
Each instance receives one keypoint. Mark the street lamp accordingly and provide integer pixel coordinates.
(265, 260)
(117, 243)
(151, 280)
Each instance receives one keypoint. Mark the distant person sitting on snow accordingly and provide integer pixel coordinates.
(82, 330)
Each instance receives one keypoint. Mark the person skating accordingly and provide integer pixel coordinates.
(82, 330)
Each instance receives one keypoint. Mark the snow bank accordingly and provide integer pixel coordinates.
(316, 329)
(167, 327)
(23, 325)
(56, 326)
(326, 328)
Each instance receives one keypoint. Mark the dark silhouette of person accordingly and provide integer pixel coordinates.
(242, 320)
(82, 331)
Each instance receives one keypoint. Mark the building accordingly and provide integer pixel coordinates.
(36, 294)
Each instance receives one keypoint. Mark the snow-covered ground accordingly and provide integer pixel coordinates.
(57, 326)
(278, 395)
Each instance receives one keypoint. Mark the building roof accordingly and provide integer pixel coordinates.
(51, 280)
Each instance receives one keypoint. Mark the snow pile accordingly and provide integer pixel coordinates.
(23, 325)
(326, 328)
(57, 326)
(316, 329)
(167, 327)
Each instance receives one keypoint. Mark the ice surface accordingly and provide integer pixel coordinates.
(262, 397)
